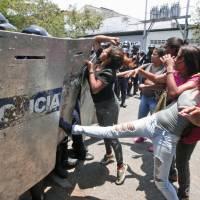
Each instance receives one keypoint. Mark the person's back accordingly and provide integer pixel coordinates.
(169, 118)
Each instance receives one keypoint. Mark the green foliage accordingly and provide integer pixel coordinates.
(23, 13)
(4, 5)
(44, 13)
(197, 24)
(80, 22)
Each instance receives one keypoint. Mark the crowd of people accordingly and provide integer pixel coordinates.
(173, 128)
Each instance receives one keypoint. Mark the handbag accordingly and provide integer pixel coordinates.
(162, 101)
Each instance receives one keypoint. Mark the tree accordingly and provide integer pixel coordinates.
(44, 13)
(78, 23)
(197, 24)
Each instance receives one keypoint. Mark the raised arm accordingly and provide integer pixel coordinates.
(155, 78)
(131, 73)
(172, 88)
(103, 38)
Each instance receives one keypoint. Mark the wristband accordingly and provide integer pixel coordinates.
(170, 72)
(92, 72)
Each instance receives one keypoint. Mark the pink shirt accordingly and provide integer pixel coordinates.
(180, 81)
(194, 136)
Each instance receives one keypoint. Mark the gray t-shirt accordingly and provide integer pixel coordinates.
(155, 70)
(170, 120)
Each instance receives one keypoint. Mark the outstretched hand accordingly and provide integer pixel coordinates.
(114, 40)
(132, 73)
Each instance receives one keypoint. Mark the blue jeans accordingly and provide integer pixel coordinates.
(164, 146)
(147, 104)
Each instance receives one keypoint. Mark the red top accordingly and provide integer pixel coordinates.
(193, 137)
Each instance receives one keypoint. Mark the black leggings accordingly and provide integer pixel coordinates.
(107, 115)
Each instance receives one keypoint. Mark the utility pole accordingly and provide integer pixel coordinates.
(145, 28)
(186, 21)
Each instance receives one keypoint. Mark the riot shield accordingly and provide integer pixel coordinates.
(32, 70)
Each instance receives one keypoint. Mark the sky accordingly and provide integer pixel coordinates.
(134, 8)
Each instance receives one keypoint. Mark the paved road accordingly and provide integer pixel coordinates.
(92, 181)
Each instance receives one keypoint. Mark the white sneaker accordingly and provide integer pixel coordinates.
(121, 174)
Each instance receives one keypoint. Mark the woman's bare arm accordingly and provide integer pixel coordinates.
(103, 38)
(96, 85)
(155, 78)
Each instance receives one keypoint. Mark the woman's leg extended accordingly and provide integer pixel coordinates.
(140, 128)
(164, 150)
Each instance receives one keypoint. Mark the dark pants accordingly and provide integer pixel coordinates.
(107, 115)
(135, 84)
(132, 83)
(116, 87)
(123, 84)
(78, 144)
(183, 155)
(79, 147)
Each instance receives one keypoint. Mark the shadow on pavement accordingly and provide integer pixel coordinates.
(146, 183)
(83, 177)
(90, 175)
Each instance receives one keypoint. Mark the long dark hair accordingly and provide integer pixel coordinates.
(115, 58)
(191, 56)
(174, 43)
(160, 51)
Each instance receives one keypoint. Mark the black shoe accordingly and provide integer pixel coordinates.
(88, 156)
(60, 169)
(71, 163)
(173, 175)
(67, 127)
(173, 178)
(80, 156)
(123, 105)
(37, 191)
